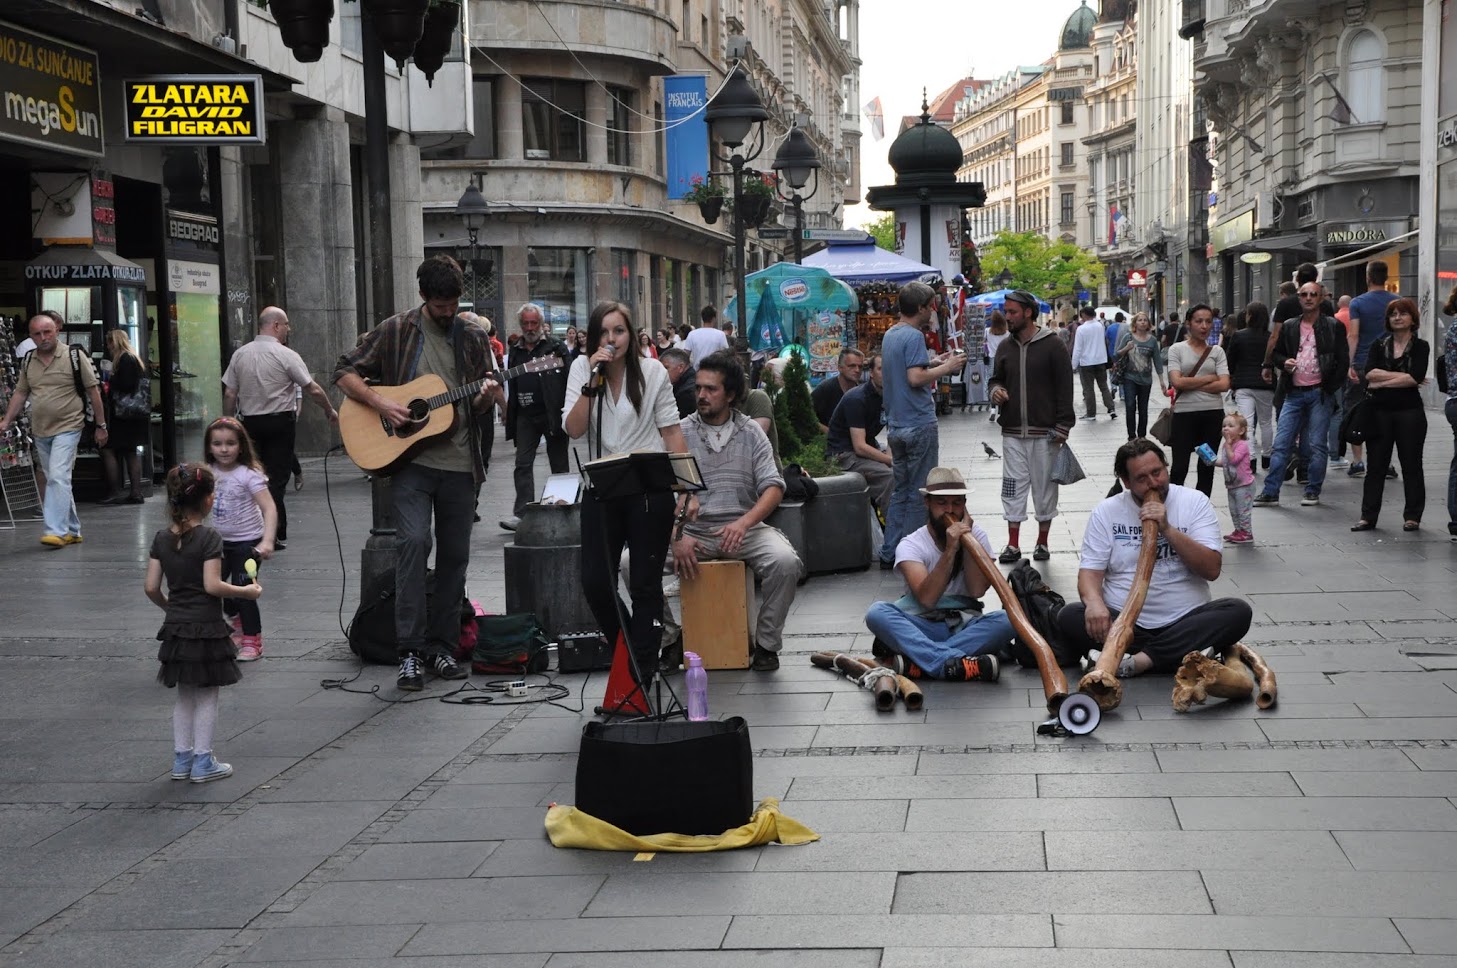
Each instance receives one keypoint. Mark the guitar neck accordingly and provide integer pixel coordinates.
(450, 397)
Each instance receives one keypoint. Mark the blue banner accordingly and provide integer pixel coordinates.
(684, 96)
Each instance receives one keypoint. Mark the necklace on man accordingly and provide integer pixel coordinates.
(717, 437)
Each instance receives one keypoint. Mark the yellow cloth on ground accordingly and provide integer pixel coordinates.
(570, 827)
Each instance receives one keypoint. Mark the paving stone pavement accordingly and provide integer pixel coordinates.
(362, 832)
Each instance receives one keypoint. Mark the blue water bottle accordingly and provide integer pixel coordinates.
(696, 678)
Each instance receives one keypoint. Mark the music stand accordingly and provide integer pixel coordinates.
(641, 473)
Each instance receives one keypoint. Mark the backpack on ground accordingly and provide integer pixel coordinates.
(1042, 605)
(372, 631)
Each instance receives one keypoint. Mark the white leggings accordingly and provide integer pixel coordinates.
(194, 718)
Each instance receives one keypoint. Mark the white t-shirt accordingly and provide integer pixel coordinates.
(705, 340)
(235, 511)
(920, 546)
(1111, 542)
(623, 428)
(1090, 348)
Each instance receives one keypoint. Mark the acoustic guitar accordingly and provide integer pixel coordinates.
(378, 447)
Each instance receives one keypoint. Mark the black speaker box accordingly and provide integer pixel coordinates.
(583, 652)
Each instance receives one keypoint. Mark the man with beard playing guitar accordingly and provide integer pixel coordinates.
(439, 478)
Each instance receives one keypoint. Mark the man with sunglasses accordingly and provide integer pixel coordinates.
(1311, 355)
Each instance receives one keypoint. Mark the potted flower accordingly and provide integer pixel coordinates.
(708, 195)
(398, 24)
(758, 195)
(441, 22)
(303, 25)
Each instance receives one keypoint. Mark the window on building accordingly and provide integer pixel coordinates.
(483, 109)
(351, 37)
(1365, 78)
(560, 280)
(1067, 112)
(619, 125)
(551, 119)
(1067, 153)
(1067, 208)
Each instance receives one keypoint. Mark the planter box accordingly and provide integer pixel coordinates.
(832, 532)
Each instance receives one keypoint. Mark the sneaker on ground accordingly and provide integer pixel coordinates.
(182, 764)
(1310, 499)
(1302, 477)
(446, 667)
(1357, 469)
(1010, 555)
(206, 768)
(880, 650)
(250, 647)
(510, 524)
(1112, 415)
(1240, 537)
(1266, 500)
(1339, 462)
(412, 674)
(53, 541)
(1390, 476)
(763, 660)
(972, 668)
(1125, 664)
(1041, 553)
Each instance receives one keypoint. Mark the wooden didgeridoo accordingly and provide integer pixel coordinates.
(1101, 681)
(1264, 676)
(1054, 683)
(909, 692)
(1200, 677)
(882, 687)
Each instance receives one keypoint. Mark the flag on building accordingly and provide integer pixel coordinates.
(1115, 223)
(877, 119)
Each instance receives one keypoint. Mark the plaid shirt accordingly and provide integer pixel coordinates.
(390, 354)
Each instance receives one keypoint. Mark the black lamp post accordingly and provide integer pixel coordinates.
(472, 211)
(731, 117)
(1003, 279)
(795, 162)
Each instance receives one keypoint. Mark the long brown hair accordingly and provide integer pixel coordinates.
(188, 488)
(247, 454)
(633, 354)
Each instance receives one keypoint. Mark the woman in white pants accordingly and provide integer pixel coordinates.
(1253, 391)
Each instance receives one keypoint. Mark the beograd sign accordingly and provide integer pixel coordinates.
(51, 91)
(195, 109)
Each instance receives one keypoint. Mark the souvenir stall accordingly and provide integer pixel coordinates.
(19, 496)
(876, 275)
(971, 325)
(790, 304)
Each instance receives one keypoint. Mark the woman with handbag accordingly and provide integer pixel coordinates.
(129, 419)
(1395, 369)
(1198, 376)
(1137, 362)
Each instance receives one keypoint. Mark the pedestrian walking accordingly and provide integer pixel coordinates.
(1139, 350)
(1239, 476)
(534, 408)
(1367, 314)
(1090, 363)
(1396, 365)
(197, 655)
(124, 434)
(1253, 386)
(243, 513)
(1449, 361)
(1198, 376)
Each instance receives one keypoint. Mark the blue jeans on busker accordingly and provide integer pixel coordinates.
(1307, 412)
(58, 459)
(450, 497)
(1452, 471)
(913, 453)
(930, 644)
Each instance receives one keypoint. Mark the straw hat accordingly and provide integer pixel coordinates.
(945, 481)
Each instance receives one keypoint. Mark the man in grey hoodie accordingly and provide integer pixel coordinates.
(1032, 384)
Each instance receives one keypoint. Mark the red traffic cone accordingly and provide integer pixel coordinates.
(623, 696)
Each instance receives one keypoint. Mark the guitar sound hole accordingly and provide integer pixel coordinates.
(419, 413)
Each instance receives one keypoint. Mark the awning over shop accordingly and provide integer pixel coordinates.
(1293, 242)
(868, 262)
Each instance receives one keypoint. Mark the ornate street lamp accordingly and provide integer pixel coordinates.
(732, 115)
(472, 211)
(795, 162)
(1003, 279)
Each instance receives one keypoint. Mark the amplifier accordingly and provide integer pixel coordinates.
(584, 651)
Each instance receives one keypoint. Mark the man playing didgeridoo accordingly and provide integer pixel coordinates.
(938, 624)
(1178, 616)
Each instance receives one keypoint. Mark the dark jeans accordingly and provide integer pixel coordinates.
(1406, 431)
(450, 496)
(1451, 409)
(1135, 397)
(644, 524)
(234, 554)
(1220, 623)
(273, 439)
(1091, 375)
(530, 428)
(1189, 430)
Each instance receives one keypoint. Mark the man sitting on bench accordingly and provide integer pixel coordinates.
(938, 624)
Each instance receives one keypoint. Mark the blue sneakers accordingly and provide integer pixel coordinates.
(182, 765)
(206, 768)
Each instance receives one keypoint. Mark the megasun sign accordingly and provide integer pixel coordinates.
(51, 93)
(197, 109)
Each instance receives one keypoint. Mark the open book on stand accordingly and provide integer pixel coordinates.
(642, 472)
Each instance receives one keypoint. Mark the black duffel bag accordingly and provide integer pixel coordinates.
(672, 777)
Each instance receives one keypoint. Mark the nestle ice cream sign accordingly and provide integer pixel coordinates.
(794, 290)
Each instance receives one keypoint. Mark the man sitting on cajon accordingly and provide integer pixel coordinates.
(743, 487)
(939, 624)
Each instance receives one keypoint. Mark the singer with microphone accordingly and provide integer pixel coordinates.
(621, 402)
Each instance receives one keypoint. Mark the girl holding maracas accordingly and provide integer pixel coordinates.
(245, 516)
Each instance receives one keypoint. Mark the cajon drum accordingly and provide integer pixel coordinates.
(716, 617)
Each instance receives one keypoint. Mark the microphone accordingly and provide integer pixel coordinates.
(597, 367)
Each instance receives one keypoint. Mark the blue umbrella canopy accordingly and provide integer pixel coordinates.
(767, 330)
(998, 297)
(796, 290)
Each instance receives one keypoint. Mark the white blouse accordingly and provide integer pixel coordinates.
(623, 428)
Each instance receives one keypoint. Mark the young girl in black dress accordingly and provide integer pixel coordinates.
(197, 652)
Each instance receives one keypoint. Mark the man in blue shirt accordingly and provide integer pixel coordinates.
(1368, 322)
(910, 376)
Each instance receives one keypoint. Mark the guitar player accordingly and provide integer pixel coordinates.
(441, 477)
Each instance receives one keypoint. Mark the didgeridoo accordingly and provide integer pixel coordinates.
(1264, 676)
(905, 686)
(1101, 681)
(1054, 683)
(1200, 677)
(881, 686)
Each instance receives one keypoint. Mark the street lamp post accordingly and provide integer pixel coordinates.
(1003, 279)
(795, 162)
(472, 210)
(731, 116)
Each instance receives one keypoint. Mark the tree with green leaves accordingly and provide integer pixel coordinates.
(1042, 266)
(883, 231)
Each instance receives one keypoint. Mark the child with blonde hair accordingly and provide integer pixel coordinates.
(1239, 476)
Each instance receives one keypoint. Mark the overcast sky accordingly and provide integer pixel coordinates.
(910, 44)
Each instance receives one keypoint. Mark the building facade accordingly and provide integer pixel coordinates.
(1114, 233)
(985, 127)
